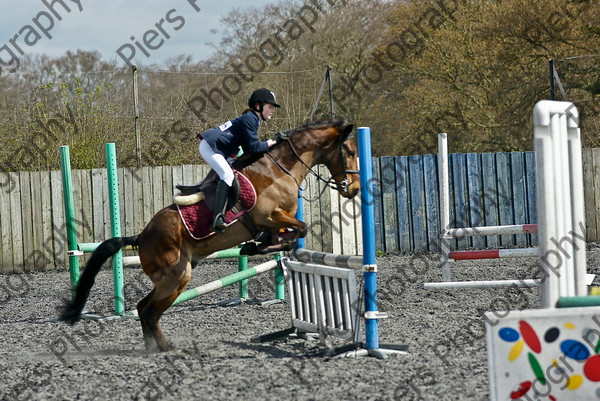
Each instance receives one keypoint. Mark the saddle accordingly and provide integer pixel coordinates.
(205, 189)
(195, 203)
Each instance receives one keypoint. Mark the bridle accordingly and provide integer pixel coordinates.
(344, 183)
(342, 186)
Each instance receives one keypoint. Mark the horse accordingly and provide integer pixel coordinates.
(166, 248)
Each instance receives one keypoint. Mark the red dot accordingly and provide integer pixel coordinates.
(591, 369)
(531, 339)
(521, 391)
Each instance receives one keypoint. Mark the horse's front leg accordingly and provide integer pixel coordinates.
(283, 219)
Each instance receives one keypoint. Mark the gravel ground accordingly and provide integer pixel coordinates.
(214, 359)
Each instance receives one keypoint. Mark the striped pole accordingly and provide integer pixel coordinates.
(493, 230)
(224, 254)
(526, 283)
(495, 254)
(328, 259)
(225, 281)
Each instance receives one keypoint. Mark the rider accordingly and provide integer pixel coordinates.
(220, 144)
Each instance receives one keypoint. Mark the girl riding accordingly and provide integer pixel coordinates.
(221, 144)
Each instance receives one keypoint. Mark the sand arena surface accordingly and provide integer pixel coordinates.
(214, 359)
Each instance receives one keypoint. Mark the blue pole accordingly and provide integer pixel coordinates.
(300, 243)
(368, 236)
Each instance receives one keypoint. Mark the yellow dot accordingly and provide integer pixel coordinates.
(574, 382)
(569, 326)
(516, 350)
(595, 291)
(555, 363)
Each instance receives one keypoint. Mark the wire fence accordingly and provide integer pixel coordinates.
(40, 112)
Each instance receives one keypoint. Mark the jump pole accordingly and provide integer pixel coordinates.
(225, 281)
(495, 254)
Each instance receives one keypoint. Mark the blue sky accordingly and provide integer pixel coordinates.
(108, 25)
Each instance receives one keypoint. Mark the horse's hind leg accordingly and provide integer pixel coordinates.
(165, 292)
(148, 337)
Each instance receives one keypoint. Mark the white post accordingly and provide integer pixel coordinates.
(444, 205)
(578, 208)
(559, 176)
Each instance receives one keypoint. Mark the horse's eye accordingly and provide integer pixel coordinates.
(351, 153)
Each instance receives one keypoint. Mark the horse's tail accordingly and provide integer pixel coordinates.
(71, 311)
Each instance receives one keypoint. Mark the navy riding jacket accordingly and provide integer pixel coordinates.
(241, 131)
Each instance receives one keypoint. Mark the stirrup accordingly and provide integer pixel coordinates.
(219, 224)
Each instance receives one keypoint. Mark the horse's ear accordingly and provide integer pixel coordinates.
(346, 130)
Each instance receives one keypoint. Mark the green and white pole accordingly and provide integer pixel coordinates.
(72, 250)
(115, 223)
(225, 281)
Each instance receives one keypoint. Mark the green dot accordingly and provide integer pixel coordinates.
(537, 369)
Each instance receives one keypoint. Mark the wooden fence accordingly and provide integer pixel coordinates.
(486, 189)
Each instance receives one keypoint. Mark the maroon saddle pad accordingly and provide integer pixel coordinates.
(198, 217)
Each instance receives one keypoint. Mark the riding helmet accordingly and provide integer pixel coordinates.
(262, 96)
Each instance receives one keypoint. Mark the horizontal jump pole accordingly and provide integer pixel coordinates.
(90, 247)
(328, 259)
(135, 260)
(492, 230)
(131, 260)
(225, 281)
(495, 254)
(527, 283)
(572, 302)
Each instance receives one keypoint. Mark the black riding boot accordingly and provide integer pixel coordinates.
(221, 196)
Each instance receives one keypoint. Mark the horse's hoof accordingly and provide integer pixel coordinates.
(249, 249)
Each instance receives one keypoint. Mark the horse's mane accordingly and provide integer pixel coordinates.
(246, 160)
(317, 124)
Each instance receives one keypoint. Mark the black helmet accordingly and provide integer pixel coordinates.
(262, 96)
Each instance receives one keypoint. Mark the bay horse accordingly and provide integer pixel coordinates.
(166, 248)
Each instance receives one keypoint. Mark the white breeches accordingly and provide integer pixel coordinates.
(217, 162)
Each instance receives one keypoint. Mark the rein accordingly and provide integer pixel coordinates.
(283, 168)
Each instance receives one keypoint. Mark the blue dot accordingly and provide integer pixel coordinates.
(508, 334)
(575, 350)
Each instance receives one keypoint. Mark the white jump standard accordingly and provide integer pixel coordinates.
(529, 349)
(449, 234)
